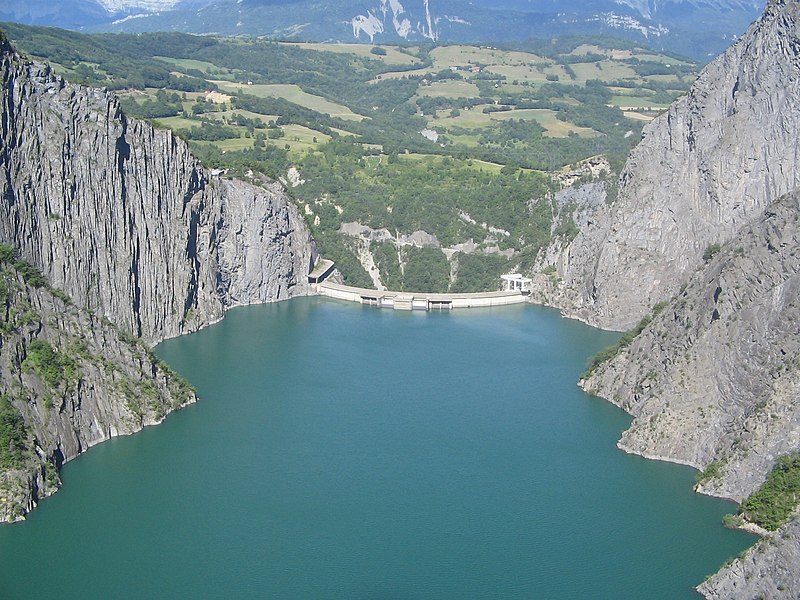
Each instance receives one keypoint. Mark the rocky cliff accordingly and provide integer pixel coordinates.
(125, 220)
(135, 242)
(715, 376)
(75, 380)
(704, 169)
(713, 381)
(702, 244)
(768, 570)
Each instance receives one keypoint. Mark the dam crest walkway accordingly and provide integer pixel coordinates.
(419, 300)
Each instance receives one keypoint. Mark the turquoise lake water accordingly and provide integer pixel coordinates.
(341, 451)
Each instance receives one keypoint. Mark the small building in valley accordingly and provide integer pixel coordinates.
(322, 270)
(514, 282)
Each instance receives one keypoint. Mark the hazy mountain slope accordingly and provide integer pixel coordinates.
(691, 27)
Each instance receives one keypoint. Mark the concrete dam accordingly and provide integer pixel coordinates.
(419, 300)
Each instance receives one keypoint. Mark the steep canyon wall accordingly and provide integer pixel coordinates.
(141, 241)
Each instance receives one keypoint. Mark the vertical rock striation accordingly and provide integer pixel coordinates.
(125, 220)
(137, 242)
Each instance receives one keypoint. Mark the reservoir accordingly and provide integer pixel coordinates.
(341, 451)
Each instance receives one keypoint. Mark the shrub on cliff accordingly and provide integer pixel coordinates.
(12, 435)
(624, 341)
(52, 367)
(771, 505)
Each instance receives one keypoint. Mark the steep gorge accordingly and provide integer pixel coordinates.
(146, 243)
(139, 240)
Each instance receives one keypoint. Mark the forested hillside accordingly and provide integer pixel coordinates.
(391, 150)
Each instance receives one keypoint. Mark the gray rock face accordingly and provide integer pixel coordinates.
(704, 169)
(264, 251)
(716, 374)
(89, 383)
(769, 570)
(715, 377)
(147, 245)
(125, 220)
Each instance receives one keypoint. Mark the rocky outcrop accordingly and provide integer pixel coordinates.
(76, 380)
(126, 221)
(714, 378)
(697, 230)
(768, 570)
(145, 244)
(703, 238)
(716, 375)
(705, 168)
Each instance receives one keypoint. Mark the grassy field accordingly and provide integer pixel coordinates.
(402, 74)
(475, 118)
(518, 72)
(177, 122)
(547, 119)
(636, 102)
(523, 73)
(639, 116)
(198, 65)
(293, 93)
(668, 60)
(470, 141)
(609, 71)
(394, 55)
(234, 144)
(301, 139)
(450, 89)
(670, 80)
(458, 55)
(606, 71)
(472, 118)
(265, 119)
(528, 67)
(477, 165)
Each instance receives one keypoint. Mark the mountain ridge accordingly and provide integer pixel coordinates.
(695, 27)
(688, 185)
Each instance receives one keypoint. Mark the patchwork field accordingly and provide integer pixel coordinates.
(475, 118)
(293, 93)
(547, 119)
(450, 89)
(505, 119)
(626, 102)
(393, 56)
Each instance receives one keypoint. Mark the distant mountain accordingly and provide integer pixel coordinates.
(693, 27)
